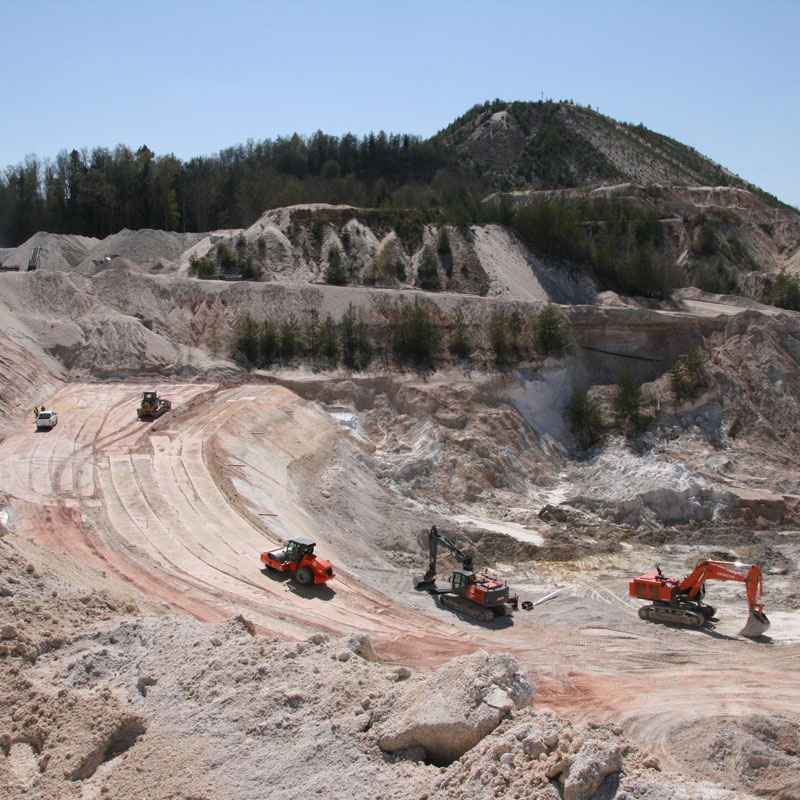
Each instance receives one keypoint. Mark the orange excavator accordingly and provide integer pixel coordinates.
(681, 601)
(478, 596)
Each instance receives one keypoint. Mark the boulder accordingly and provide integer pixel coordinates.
(457, 706)
(361, 645)
(589, 767)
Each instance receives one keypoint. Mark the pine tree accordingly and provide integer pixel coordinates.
(415, 336)
(549, 330)
(628, 400)
(460, 345)
(335, 272)
(245, 342)
(268, 342)
(586, 420)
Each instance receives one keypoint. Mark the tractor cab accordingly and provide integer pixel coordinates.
(148, 398)
(294, 551)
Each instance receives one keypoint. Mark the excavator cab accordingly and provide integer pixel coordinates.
(461, 581)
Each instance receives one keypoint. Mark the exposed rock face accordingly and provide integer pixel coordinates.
(457, 706)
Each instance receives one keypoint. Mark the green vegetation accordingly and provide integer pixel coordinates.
(100, 191)
(335, 272)
(355, 339)
(443, 245)
(620, 240)
(460, 344)
(268, 342)
(411, 333)
(627, 402)
(706, 242)
(499, 339)
(245, 341)
(785, 292)
(715, 278)
(688, 374)
(227, 262)
(550, 331)
(428, 271)
(559, 157)
(415, 336)
(388, 268)
(586, 420)
(203, 267)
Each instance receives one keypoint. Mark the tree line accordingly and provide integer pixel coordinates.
(100, 191)
(407, 334)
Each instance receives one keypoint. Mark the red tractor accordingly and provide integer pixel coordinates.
(297, 557)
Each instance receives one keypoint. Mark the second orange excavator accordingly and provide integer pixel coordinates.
(681, 601)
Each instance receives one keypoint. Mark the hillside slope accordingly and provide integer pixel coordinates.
(549, 145)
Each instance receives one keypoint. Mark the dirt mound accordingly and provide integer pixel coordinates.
(55, 251)
(761, 754)
(115, 323)
(152, 250)
(457, 706)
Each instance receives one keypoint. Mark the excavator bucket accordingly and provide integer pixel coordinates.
(757, 623)
(423, 581)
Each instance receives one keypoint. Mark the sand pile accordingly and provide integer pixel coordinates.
(152, 250)
(760, 754)
(57, 251)
(114, 324)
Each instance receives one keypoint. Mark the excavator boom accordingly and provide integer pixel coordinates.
(434, 537)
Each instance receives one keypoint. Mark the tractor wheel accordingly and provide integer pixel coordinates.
(303, 576)
(644, 612)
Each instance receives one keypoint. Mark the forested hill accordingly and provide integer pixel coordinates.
(494, 146)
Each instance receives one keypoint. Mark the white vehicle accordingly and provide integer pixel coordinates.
(46, 419)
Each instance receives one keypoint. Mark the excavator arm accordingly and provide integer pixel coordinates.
(436, 537)
(726, 571)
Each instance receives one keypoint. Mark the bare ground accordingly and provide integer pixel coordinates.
(179, 510)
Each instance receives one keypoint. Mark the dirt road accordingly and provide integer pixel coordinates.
(182, 507)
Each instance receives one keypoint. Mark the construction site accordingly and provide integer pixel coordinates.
(220, 582)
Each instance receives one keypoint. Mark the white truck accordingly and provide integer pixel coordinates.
(46, 419)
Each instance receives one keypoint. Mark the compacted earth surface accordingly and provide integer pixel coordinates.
(145, 652)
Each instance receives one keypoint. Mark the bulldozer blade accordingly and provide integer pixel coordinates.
(755, 626)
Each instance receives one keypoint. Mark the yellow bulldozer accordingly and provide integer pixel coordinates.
(152, 406)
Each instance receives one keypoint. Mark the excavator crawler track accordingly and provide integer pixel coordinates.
(676, 616)
(467, 607)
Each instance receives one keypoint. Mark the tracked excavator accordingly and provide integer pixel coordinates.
(681, 601)
(478, 596)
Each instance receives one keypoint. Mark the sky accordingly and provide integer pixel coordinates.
(191, 77)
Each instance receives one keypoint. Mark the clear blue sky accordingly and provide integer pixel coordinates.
(192, 77)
